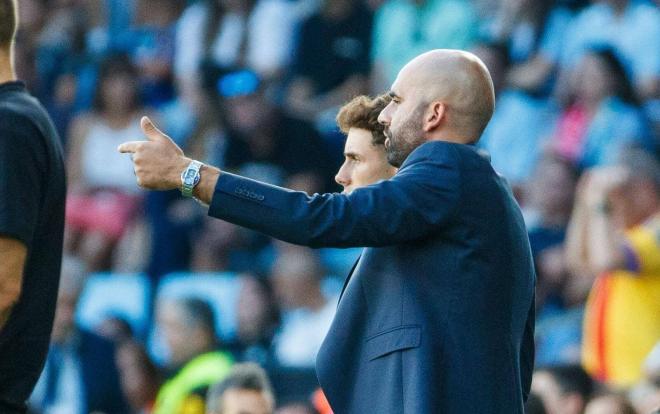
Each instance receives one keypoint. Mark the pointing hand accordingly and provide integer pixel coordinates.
(158, 162)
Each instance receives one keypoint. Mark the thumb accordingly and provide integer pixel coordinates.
(150, 130)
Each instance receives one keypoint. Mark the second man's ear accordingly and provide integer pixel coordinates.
(434, 116)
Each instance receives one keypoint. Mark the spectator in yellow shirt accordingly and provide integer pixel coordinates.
(614, 238)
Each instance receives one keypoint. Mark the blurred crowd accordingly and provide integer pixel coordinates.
(253, 86)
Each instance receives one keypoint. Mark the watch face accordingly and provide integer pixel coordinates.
(189, 178)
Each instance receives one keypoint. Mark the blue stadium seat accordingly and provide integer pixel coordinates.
(115, 294)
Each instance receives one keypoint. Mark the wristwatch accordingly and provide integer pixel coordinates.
(190, 178)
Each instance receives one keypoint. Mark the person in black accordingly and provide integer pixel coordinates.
(332, 59)
(260, 134)
(32, 195)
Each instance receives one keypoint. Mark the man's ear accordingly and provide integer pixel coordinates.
(435, 115)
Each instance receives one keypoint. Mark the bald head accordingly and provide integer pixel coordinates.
(460, 81)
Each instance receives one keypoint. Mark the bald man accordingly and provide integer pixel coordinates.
(437, 314)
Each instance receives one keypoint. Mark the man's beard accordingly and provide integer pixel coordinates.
(405, 139)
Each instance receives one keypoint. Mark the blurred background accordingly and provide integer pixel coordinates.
(158, 301)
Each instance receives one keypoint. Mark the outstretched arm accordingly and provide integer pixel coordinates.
(422, 197)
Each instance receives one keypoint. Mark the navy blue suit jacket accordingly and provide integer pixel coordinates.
(437, 315)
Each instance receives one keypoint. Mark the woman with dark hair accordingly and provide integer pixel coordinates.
(522, 50)
(602, 115)
(103, 196)
(533, 32)
(258, 317)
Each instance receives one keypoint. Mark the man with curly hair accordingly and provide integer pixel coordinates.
(365, 159)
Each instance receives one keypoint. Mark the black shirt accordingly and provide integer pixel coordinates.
(332, 51)
(32, 196)
(297, 148)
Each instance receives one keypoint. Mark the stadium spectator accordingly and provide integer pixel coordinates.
(139, 377)
(216, 246)
(61, 42)
(61, 104)
(547, 200)
(602, 114)
(332, 60)
(81, 375)
(116, 328)
(563, 389)
(301, 407)
(405, 28)
(521, 122)
(306, 312)
(560, 310)
(258, 319)
(533, 31)
(612, 239)
(495, 56)
(516, 134)
(547, 203)
(151, 44)
(229, 34)
(262, 141)
(245, 390)
(645, 396)
(195, 363)
(631, 27)
(609, 404)
(103, 197)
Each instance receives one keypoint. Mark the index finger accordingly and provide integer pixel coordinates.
(129, 147)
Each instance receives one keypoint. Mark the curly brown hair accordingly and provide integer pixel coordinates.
(362, 112)
(8, 22)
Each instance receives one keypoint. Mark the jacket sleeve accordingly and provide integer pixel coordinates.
(422, 197)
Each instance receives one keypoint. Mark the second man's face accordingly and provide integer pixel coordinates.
(364, 162)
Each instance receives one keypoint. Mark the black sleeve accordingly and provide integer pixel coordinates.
(22, 157)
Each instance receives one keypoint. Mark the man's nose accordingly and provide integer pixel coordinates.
(342, 178)
(384, 116)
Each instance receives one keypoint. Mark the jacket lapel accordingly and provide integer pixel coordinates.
(349, 278)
